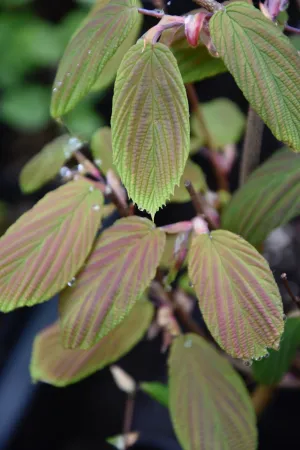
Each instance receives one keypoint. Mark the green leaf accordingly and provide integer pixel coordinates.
(46, 247)
(101, 148)
(264, 64)
(209, 404)
(271, 370)
(26, 107)
(120, 268)
(270, 198)
(237, 294)
(90, 49)
(224, 121)
(158, 391)
(195, 63)
(193, 173)
(53, 364)
(150, 125)
(44, 166)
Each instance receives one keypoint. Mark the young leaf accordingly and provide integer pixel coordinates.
(158, 391)
(46, 247)
(101, 148)
(196, 64)
(193, 173)
(209, 404)
(264, 64)
(91, 48)
(53, 364)
(46, 164)
(150, 125)
(237, 293)
(224, 121)
(270, 198)
(120, 268)
(271, 370)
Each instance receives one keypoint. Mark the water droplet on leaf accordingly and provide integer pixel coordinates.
(91, 189)
(248, 363)
(284, 317)
(72, 282)
(96, 207)
(188, 343)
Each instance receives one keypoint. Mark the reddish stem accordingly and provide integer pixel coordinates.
(148, 12)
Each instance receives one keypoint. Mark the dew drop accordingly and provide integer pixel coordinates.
(65, 172)
(284, 317)
(72, 282)
(89, 52)
(96, 207)
(108, 190)
(191, 284)
(248, 363)
(59, 83)
(54, 90)
(266, 355)
(98, 162)
(188, 343)
(68, 74)
(168, 288)
(91, 189)
(80, 168)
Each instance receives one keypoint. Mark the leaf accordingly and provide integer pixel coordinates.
(44, 166)
(195, 64)
(110, 70)
(193, 173)
(158, 391)
(224, 121)
(269, 199)
(150, 125)
(91, 48)
(237, 294)
(264, 64)
(271, 370)
(120, 268)
(101, 148)
(46, 247)
(53, 364)
(168, 258)
(209, 404)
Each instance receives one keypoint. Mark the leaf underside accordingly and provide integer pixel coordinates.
(209, 404)
(270, 198)
(237, 294)
(264, 64)
(101, 148)
(271, 370)
(53, 364)
(120, 268)
(91, 48)
(150, 125)
(44, 166)
(47, 246)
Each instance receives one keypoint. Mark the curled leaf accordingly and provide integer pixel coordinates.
(120, 268)
(53, 364)
(47, 246)
(237, 294)
(209, 404)
(150, 125)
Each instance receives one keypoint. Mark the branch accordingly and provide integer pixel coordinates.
(198, 204)
(261, 397)
(252, 145)
(210, 5)
(291, 29)
(294, 298)
(128, 416)
(148, 12)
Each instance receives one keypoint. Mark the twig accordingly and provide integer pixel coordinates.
(261, 397)
(294, 298)
(194, 102)
(252, 145)
(210, 5)
(128, 416)
(148, 12)
(198, 204)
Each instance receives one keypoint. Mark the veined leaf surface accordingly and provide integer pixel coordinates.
(53, 364)
(237, 294)
(47, 246)
(193, 173)
(264, 64)
(150, 125)
(209, 404)
(91, 48)
(101, 148)
(46, 164)
(224, 121)
(120, 268)
(158, 391)
(271, 370)
(270, 198)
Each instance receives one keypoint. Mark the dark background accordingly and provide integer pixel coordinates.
(82, 416)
